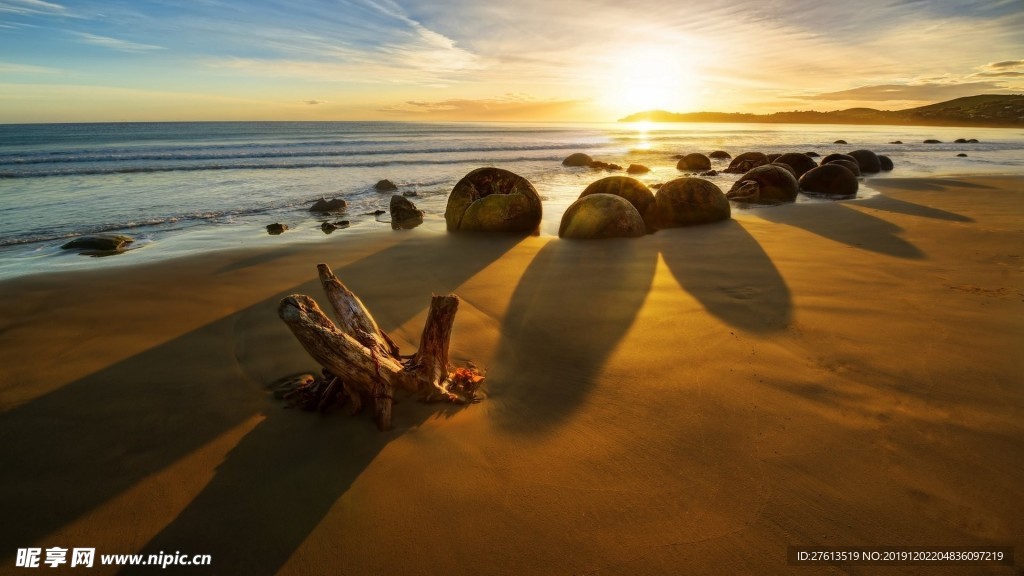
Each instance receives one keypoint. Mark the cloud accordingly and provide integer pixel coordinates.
(508, 107)
(11, 68)
(25, 7)
(1005, 64)
(933, 92)
(1007, 74)
(115, 44)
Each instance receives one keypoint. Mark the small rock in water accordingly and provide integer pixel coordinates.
(385, 186)
(961, 155)
(719, 155)
(329, 227)
(374, 213)
(324, 205)
(637, 169)
(709, 173)
(896, 142)
(840, 142)
(99, 244)
(812, 154)
(932, 141)
(404, 213)
(410, 194)
(276, 228)
(972, 141)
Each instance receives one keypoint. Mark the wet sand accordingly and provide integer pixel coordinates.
(695, 401)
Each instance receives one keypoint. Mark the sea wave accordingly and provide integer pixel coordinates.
(106, 170)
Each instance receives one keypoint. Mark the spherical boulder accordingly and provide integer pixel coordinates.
(812, 154)
(637, 169)
(885, 162)
(720, 155)
(773, 157)
(867, 161)
(800, 163)
(577, 159)
(840, 142)
(746, 161)
(774, 185)
(685, 202)
(785, 167)
(932, 141)
(695, 161)
(853, 167)
(629, 189)
(601, 216)
(832, 157)
(830, 180)
(493, 200)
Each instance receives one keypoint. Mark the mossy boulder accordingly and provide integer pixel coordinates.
(830, 180)
(578, 159)
(630, 189)
(867, 161)
(686, 202)
(601, 216)
(885, 162)
(800, 163)
(695, 161)
(493, 200)
(774, 186)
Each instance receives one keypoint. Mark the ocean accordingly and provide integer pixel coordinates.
(181, 188)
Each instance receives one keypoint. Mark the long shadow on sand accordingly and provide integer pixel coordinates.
(895, 206)
(570, 309)
(748, 293)
(74, 449)
(849, 226)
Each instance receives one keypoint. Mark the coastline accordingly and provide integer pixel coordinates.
(814, 374)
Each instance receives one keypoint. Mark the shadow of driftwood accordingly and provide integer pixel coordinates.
(74, 449)
(846, 225)
(889, 204)
(572, 306)
(748, 293)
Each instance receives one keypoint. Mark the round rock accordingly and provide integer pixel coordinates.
(853, 167)
(867, 161)
(885, 163)
(601, 216)
(774, 185)
(100, 242)
(830, 180)
(832, 157)
(577, 159)
(686, 202)
(720, 155)
(746, 161)
(637, 169)
(629, 189)
(695, 161)
(800, 163)
(493, 200)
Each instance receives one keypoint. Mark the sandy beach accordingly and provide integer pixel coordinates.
(689, 402)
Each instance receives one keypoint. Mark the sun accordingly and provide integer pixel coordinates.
(650, 77)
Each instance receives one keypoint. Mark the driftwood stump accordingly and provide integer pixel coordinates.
(362, 365)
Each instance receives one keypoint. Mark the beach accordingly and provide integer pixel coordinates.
(693, 401)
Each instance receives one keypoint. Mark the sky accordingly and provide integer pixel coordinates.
(475, 60)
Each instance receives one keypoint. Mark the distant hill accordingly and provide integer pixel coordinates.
(994, 110)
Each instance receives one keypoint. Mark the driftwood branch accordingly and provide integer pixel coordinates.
(362, 364)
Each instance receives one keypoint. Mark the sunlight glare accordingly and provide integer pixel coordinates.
(652, 78)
